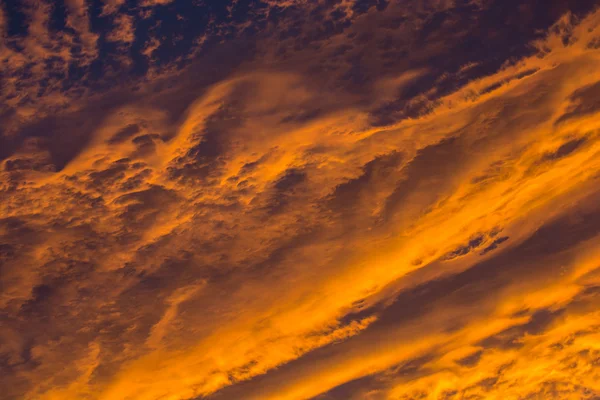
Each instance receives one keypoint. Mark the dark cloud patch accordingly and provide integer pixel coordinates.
(41, 298)
(142, 208)
(136, 181)
(585, 101)
(362, 6)
(28, 164)
(6, 251)
(31, 156)
(209, 148)
(206, 157)
(124, 134)
(499, 84)
(251, 166)
(106, 179)
(17, 24)
(153, 196)
(65, 136)
(585, 302)
(18, 231)
(146, 144)
(488, 383)
(525, 73)
(284, 190)
(466, 249)
(565, 149)
(430, 168)
(494, 245)
(347, 196)
(289, 180)
(510, 338)
(275, 260)
(152, 287)
(200, 161)
(58, 16)
(470, 360)
(594, 44)
(361, 387)
(12, 363)
(413, 367)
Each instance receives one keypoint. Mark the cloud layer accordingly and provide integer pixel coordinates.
(300, 200)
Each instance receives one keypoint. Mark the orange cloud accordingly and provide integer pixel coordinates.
(282, 234)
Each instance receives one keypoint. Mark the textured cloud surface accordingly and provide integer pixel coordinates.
(295, 199)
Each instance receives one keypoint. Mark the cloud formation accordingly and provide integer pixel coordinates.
(299, 200)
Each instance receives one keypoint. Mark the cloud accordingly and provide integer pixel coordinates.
(297, 210)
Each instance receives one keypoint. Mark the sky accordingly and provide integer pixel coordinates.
(299, 199)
